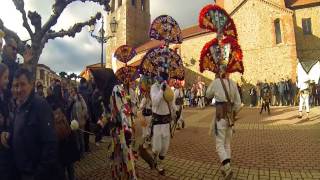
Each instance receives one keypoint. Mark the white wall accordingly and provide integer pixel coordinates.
(314, 73)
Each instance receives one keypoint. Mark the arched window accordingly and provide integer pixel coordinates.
(277, 28)
(143, 5)
(42, 75)
(113, 4)
(119, 3)
(306, 26)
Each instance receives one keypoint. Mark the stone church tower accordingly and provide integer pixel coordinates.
(133, 18)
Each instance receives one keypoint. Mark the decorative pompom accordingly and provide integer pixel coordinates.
(168, 95)
(74, 125)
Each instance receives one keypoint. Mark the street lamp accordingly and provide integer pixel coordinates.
(101, 38)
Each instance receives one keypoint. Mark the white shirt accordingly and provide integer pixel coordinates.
(145, 103)
(215, 90)
(159, 105)
(200, 88)
(178, 93)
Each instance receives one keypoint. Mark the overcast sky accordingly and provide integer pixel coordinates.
(73, 54)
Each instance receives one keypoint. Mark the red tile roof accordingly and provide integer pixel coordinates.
(296, 3)
(186, 33)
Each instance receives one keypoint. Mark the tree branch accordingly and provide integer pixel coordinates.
(104, 3)
(72, 31)
(58, 8)
(11, 34)
(35, 19)
(20, 7)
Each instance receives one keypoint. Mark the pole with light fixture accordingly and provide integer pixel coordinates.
(101, 38)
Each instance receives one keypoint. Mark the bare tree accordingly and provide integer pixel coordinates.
(43, 32)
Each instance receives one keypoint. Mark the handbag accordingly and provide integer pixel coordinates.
(61, 124)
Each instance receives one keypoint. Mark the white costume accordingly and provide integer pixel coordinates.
(304, 98)
(161, 132)
(223, 131)
(200, 94)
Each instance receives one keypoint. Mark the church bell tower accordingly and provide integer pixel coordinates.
(133, 18)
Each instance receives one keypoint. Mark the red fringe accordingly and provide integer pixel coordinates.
(235, 64)
(229, 27)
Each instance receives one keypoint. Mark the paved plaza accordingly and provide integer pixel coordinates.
(279, 146)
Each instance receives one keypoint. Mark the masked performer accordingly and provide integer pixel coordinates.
(304, 94)
(161, 97)
(123, 158)
(223, 127)
(266, 98)
(222, 55)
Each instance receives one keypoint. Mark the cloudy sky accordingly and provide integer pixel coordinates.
(73, 54)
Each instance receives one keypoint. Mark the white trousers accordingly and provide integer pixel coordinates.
(201, 103)
(223, 140)
(304, 101)
(161, 139)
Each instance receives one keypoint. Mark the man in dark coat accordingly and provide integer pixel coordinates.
(32, 137)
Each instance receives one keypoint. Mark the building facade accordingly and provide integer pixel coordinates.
(45, 76)
(133, 18)
(273, 34)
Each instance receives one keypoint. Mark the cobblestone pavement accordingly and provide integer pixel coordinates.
(279, 146)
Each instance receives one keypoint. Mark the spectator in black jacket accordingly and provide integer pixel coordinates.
(6, 160)
(32, 137)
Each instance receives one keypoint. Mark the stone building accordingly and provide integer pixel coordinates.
(273, 34)
(133, 17)
(45, 76)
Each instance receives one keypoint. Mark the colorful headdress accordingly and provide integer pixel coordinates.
(216, 19)
(163, 59)
(127, 73)
(165, 28)
(223, 52)
(125, 53)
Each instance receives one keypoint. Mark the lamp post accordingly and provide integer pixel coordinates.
(101, 38)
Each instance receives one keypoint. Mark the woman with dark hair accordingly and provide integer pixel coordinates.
(68, 149)
(6, 163)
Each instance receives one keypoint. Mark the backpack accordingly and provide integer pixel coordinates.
(61, 124)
